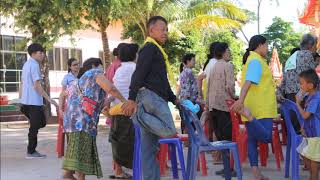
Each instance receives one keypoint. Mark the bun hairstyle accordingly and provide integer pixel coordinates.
(87, 65)
(254, 43)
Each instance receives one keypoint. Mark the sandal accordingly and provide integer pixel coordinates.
(122, 176)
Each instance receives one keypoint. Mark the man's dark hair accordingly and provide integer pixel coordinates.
(115, 52)
(310, 76)
(154, 20)
(34, 47)
(126, 53)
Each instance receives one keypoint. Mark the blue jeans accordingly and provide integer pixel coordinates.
(258, 130)
(155, 119)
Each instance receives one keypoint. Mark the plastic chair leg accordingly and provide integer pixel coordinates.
(295, 160)
(237, 162)
(174, 161)
(181, 160)
(163, 158)
(226, 164)
(193, 162)
(287, 163)
(203, 164)
(277, 146)
(263, 153)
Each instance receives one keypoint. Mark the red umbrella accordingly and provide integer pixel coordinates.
(275, 65)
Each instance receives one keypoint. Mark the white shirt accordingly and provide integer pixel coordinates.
(30, 74)
(122, 79)
(209, 67)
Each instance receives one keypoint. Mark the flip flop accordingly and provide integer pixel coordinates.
(123, 176)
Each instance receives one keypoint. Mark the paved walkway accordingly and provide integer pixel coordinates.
(14, 166)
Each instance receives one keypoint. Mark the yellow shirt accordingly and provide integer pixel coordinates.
(261, 97)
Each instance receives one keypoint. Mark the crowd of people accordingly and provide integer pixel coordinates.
(135, 88)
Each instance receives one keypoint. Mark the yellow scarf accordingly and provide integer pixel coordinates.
(165, 56)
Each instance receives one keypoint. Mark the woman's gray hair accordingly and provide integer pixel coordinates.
(307, 39)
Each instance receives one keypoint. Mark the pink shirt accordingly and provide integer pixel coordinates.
(111, 70)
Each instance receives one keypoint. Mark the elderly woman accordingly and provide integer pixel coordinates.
(122, 129)
(85, 99)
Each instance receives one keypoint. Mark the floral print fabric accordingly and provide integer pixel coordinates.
(75, 119)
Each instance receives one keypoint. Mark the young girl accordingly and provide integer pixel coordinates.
(73, 70)
(309, 81)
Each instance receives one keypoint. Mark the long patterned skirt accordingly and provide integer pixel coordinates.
(82, 154)
(121, 138)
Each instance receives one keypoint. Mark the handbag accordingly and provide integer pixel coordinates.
(88, 104)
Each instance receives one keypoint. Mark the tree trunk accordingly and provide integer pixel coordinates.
(105, 45)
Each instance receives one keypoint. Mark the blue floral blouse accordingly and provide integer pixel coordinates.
(74, 118)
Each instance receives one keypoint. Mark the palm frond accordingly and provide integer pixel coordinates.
(215, 21)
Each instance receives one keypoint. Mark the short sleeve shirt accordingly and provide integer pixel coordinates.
(312, 124)
(74, 118)
(254, 72)
(67, 80)
(31, 74)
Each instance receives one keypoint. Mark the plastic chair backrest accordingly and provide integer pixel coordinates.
(286, 107)
(195, 131)
(235, 117)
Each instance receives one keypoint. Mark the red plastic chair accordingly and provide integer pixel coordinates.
(241, 139)
(60, 137)
(238, 136)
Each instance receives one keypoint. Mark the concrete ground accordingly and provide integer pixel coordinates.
(14, 166)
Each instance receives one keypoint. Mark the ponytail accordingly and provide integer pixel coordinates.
(245, 56)
(254, 43)
(211, 53)
(181, 67)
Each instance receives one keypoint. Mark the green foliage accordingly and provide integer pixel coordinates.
(46, 20)
(281, 35)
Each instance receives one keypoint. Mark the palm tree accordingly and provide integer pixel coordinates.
(200, 13)
(99, 14)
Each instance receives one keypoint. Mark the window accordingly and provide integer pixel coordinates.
(79, 55)
(20, 44)
(9, 59)
(50, 59)
(21, 58)
(8, 43)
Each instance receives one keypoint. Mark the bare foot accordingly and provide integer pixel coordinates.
(68, 175)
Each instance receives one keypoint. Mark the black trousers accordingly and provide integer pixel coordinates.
(220, 123)
(37, 120)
